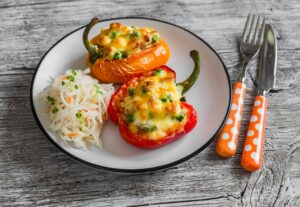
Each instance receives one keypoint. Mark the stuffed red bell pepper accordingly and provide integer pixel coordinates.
(149, 108)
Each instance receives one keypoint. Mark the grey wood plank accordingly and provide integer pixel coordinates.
(34, 173)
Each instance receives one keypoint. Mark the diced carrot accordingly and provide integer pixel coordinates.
(69, 99)
(72, 134)
(104, 117)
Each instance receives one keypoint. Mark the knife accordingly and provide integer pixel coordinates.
(252, 155)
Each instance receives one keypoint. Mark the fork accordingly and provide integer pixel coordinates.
(250, 44)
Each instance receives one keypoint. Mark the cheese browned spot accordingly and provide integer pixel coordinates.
(151, 107)
(121, 41)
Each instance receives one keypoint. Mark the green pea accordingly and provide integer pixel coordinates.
(157, 72)
(117, 56)
(74, 72)
(130, 118)
(154, 39)
(179, 117)
(134, 34)
(131, 92)
(114, 34)
(164, 99)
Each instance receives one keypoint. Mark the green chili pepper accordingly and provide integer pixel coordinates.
(189, 82)
(93, 49)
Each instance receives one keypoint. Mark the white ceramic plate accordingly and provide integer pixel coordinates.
(211, 97)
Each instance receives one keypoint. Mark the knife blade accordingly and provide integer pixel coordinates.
(268, 62)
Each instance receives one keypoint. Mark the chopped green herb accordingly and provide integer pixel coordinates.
(117, 56)
(179, 117)
(54, 110)
(71, 78)
(134, 27)
(50, 100)
(76, 87)
(130, 118)
(131, 92)
(74, 72)
(80, 129)
(63, 83)
(114, 34)
(98, 89)
(157, 72)
(154, 39)
(78, 115)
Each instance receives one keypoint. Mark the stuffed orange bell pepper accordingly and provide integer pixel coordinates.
(121, 52)
(149, 108)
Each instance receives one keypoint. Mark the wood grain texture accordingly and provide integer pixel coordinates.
(34, 173)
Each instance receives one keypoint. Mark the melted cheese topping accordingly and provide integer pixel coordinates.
(152, 106)
(121, 41)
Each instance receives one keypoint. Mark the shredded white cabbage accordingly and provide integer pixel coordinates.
(77, 107)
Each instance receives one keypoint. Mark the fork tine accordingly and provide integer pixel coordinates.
(246, 26)
(256, 32)
(250, 33)
(261, 33)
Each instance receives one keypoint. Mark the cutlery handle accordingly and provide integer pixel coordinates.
(228, 137)
(253, 148)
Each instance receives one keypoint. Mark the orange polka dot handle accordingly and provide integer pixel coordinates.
(228, 137)
(253, 148)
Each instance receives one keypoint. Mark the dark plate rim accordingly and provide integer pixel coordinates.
(121, 170)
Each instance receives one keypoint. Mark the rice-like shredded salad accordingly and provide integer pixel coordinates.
(77, 107)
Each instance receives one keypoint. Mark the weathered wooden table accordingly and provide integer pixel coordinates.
(34, 173)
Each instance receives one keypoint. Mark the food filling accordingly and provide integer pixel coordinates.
(121, 41)
(151, 107)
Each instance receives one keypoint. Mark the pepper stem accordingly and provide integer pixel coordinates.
(189, 82)
(93, 49)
